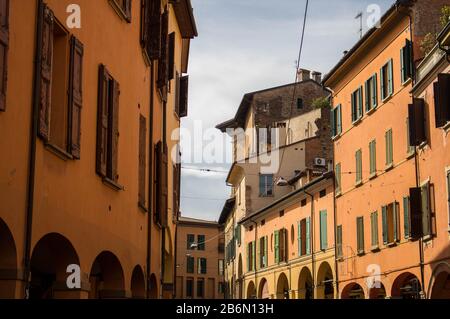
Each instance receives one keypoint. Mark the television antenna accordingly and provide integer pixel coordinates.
(360, 17)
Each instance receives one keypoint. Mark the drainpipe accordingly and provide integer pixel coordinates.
(416, 159)
(313, 262)
(32, 150)
(335, 237)
(150, 181)
(163, 229)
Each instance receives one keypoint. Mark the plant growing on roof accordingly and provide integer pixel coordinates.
(321, 103)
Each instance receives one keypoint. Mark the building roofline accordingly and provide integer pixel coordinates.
(325, 176)
(183, 220)
(185, 16)
(226, 210)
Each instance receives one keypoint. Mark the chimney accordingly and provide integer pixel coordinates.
(317, 76)
(303, 75)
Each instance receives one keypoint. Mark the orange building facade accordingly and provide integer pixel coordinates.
(88, 188)
(380, 251)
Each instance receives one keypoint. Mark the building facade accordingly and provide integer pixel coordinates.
(380, 252)
(87, 185)
(200, 265)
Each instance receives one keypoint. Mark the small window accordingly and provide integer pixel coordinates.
(221, 267)
(123, 8)
(190, 242)
(263, 222)
(371, 93)
(250, 228)
(299, 104)
(201, 242)
(336, 121)
(201, 266)
(281, 213)
(266, 185)
(200, 288)
(189, 287)
(406, 61)
(386, 80)
(190, 261)
(357, 108)
(323, 193)
(303, 202)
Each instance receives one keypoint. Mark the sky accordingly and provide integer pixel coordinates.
(245, 46)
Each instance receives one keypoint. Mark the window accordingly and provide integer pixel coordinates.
(263, 252)
(340, 251)
(107, 126)
(251, 256)
(442, 100)
(406, 61)
(221, 267)
(323, 193)
(406, 217)
(373, 157)
(360, 234)
(281, 213)
(237, 234)
(201, 266)
(374, 230)
(303, 235)
(416, 117)
(299, 104)
(263, 222)
(336, 121)
(190, 264)
(200, 288)
(163, 60)
(387, 80)
(409, 147)
(338, 178)
(151, 29)
(61, 87)
(357, 108)
(390, 219)
(358, 158)
(123, 8)
(266, 185)
(190, 242)
(189, 288)
(323, 230)
(426, 210)
(221, 288)
(371, 93)
(142, 161)
(389, 149)
(303, 202)
(4, 46)
(201, 242)
(280, 245)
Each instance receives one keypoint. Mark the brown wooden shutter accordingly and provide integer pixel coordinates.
(126, 6)
(102, 121)
(177, 94)
(142, 158)
(415, 195)
(75, 96)
(171, 56)
(154, 33)
(442, 99)
(4, 46)
(45, 79)
(114, 133)
(160, 215)
(184, 85)
(163, 67)
(416, 116)
(145, 23)
(164, 186)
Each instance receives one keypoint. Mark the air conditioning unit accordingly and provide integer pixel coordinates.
(320, 162)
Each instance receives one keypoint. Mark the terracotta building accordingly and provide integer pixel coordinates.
(200, 262)
(86, 183)
(379, 253)
(277, 133)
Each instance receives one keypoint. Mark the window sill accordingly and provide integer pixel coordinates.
(389, 167)
(423, 145)
(408, 81)
(410, 155)
(112, 184)
(373, 176)
(339, 259)
(58, 152)
(372, 110)
(357, 121)
(387, 98)
(447, 127)
(427, 238)
(143, 207)
(361, 253)
(119, 11)
(339, 194)
(375, 249)
(358, 184)
(391, 244)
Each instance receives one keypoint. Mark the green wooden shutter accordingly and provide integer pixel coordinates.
(382, 88)
(339, 119)
(360, 102)
(389, 147)
(308, 235)
(253, 255)
(340, 252)
(426, 220)
(374, 90)
(358, 160)
(360, 234)
(266, 251)
(333, 123)
(390, 78)
(396, 222)
(372, 156)
(406, 217)
(374, 229)
(248, 256)
(277, 246)
(299, 238)
(384, 224)
(402, 65)
(258, 253)
(323, 230)
(353, 103)
(367, 95)
(338, 177)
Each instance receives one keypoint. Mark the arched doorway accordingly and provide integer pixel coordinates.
(138, 283)
(282, 287)
(263, 291)
(353, 291)
(8, 261)
(325, 282)
(51, 256)
(305, 284)
(106, 277)
(441, 284)
(153, 286)
(377, 291)
(406, 286)
(251, 291)
(240, 281)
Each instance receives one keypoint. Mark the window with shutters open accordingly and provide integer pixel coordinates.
(303, 237)
(391, 223)
(442, 100)
(427, 211)
(263, 252)
(357, 104)
(108, 128)
(406, 62)
(151, 29)
(336, 121)
(360, 235)
(60, 87)
(163, 61)
(122, 8)
(387, 80)
(161, 182)
(371, 93)
(4, 47)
